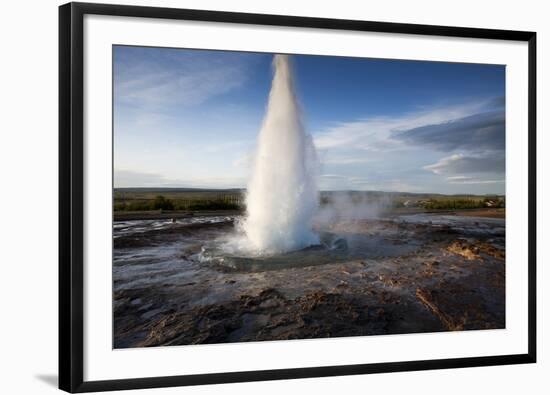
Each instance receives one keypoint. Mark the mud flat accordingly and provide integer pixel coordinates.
(405, 274)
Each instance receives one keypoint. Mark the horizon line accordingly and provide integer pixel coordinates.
(328, 190)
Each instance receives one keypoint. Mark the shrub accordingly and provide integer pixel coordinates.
(161, 203)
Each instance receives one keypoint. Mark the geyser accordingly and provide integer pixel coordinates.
(282, 194)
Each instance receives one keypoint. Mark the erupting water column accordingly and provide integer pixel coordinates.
(282, 193)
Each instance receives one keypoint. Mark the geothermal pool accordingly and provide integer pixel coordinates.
(173, 285)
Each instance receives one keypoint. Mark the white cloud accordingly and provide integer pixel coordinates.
(487, 162)
(481, 131)
(190, 88)
(343, 182)
(346, 160)
(375, 134)
(244, 160)
(472, 180)
(372, 153)
(227, 147)
(180, 80)
(334, 177)
(129, 178)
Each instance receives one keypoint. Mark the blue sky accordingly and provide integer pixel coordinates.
(190, 118)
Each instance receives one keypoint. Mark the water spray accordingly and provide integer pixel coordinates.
(282, 195)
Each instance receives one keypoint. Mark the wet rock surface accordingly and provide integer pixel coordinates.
(397, 275)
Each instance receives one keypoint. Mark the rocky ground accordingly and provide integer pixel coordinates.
(423, 273)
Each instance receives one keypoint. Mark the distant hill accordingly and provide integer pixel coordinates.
(201, 199)
(417, 195)
(161, 190)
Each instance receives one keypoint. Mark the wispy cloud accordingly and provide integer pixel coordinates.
(334, 177)
(472, 180)
(346, 160)
(228, 146)
(459, 144)
(179, 114)
(487, 162)
(381, 133)
(479, 131)
(245, 160)
(167, 77)
(343, 182)
(128, 178)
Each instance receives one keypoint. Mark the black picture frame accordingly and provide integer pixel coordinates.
(71, 223)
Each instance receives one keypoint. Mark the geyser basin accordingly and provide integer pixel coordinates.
(333, 248)
(169, 296)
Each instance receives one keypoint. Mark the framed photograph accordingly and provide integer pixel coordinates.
(251, 197)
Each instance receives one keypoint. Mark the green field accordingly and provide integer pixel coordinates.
(184, 199)
(189, 199)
